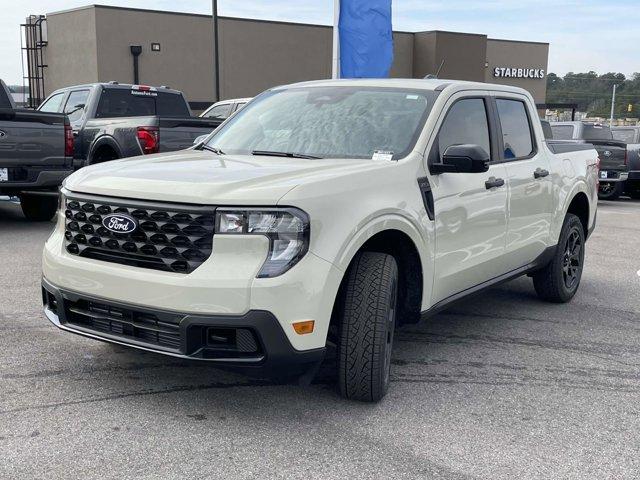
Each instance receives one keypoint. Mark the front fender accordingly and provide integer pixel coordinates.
(386, 221)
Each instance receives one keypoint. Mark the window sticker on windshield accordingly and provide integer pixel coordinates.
(383, 155)
(413, 97)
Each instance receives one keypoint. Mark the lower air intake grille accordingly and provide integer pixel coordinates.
(144, 327)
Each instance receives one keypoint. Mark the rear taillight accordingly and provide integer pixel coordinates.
(149, 138)
(68, 141)
(598, 171)
(625, 156)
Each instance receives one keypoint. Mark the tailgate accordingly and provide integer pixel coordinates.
(179, 133)
(612, 154)
(31, 138)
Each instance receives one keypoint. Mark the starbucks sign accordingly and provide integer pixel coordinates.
(518, 72)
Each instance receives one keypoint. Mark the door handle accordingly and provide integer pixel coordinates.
(540, 173)
(494, 182)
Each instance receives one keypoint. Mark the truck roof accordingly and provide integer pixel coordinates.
(580, 122)
(114, 85)
(434, 84)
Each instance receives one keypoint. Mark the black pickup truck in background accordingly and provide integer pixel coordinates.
(36, 154)
(112, 121)
(631, 136)
(614, 170)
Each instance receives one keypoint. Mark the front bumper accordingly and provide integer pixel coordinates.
(615, 177)
(254, 341)
(225, 285)
(634, 175)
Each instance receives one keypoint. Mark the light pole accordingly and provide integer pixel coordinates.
(613, 104)
(216, 56)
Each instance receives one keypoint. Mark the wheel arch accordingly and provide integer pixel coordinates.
(578, 201)
(103, 142)
(396, 236)
(579, 206)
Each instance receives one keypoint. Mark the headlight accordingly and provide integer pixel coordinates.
(286, 228)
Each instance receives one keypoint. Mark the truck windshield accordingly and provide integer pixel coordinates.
(121, 102)
(597, 132)
(328, 122)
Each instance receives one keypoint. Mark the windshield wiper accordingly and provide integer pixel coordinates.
(284, 154)
(215, 150)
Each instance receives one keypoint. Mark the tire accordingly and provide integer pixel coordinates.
(558, 282)
(367, 326)
(39, 208)
(610, 190)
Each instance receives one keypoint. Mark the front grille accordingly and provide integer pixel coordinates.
(168, 237)
(145, 327)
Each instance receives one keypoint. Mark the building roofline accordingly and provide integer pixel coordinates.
(201, 15)
(277, 22)
(516, 41)
(451, 33)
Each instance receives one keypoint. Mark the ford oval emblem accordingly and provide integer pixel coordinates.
(118, 223)
(607, 153)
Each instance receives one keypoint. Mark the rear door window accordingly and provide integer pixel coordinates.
(516, 129)
(466, 123)
(53, 103)
(239, 106)
(562, 132)
(219, 112)
(626, 135)
(121, 102)
(597, 132)
(72, 107)
(4, 98)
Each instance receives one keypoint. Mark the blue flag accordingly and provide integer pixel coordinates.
(366, 38)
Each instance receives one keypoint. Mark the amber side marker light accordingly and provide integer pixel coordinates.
(305, 327)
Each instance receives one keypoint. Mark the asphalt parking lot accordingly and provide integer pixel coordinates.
(503, 386)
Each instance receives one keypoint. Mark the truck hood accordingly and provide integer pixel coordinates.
(202, 177)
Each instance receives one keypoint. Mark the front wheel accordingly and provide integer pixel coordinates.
(559, 281)
(367, 326)
(39, 208)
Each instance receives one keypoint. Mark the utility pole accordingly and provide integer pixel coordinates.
(335, 63)
(216, 56)
(613, 105)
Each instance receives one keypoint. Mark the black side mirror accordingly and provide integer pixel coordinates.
(462, 159)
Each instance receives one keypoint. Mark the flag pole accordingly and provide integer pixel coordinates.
(216, 52)
(335, 64)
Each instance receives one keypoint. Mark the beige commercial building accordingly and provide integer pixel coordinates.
(92, 44)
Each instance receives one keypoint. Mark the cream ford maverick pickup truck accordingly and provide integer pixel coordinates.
(319, 218)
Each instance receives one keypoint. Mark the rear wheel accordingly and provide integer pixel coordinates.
(610, 190)
(559, 281)
(39, 208)
(367, 326)
(103, 154)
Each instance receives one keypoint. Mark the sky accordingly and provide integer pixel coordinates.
(584, 35)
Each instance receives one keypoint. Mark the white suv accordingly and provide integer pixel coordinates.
(320, 217)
